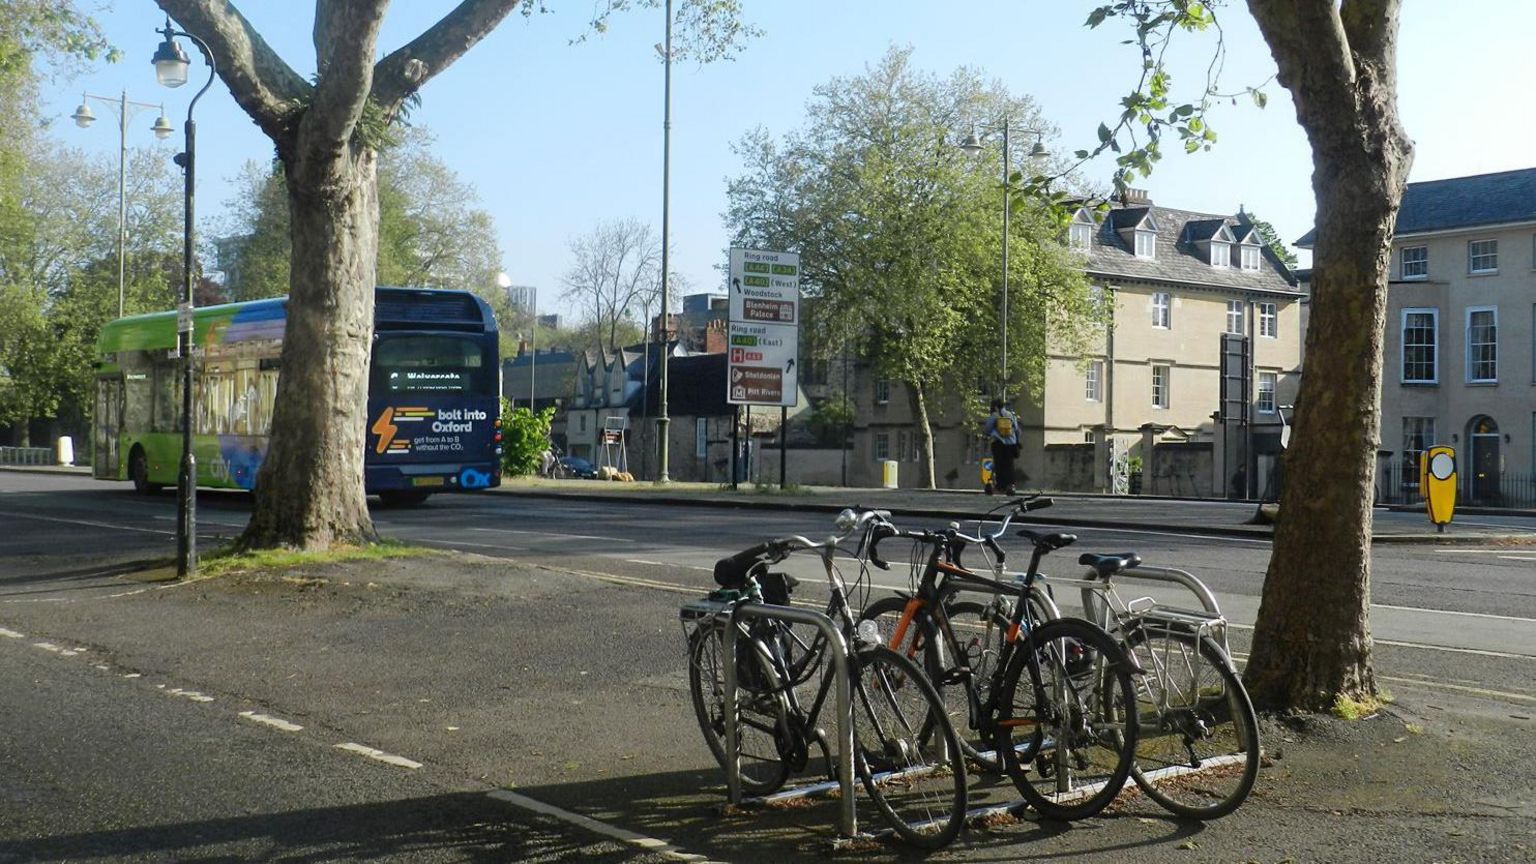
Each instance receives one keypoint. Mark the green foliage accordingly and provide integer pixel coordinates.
(830, 420)
(703, 30)
(525, 437)
(899, 230)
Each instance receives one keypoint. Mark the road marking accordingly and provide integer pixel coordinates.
(1453, 612)
(380, 755)
(666, 564)
(87, 523)
(11, 634)
(1214, 537)
(1460, 688)
(274, 722)
(554, 534)
(1454, 551)
(453, 544)
(650, 844)
(625, 580)
(1517, 557)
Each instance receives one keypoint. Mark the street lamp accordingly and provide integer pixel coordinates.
(171, 66)
(662, 420)
(125, 110)
(973, 145)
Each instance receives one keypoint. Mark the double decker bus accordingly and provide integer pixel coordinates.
(434, 382)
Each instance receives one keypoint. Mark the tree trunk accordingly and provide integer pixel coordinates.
(1312, 643)
(924, 432)
(309, 493)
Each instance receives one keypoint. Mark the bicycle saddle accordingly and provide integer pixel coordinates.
(1051, 542)
(1108, 565)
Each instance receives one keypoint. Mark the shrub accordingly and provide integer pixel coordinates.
(524, 438)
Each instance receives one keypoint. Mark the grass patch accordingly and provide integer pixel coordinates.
(226, 561)
(1349, 708)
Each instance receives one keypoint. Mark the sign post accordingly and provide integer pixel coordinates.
(763, 337)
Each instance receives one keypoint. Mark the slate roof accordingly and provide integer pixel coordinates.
(1179, 260)
(695, 387)
(1464, 202)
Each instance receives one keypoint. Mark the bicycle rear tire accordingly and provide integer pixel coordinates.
(1198, 751)
(905, 750)
(762, 712)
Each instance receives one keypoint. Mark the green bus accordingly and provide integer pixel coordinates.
(434, 409)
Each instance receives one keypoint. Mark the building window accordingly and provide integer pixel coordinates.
(1221, 254)
(1414, 261)
(1269, 323)
(701, 437)
(882, 446)
(1161, 310)
(1095, 374)
(1267, 381)
(1251, 257)
(1483, 256)
(1160, 375)
(1482, 345)
(816, 373)
(1420, 335)
(1235, 317)
(882, 391)
(1418, 436)
(1146, 244)
(1080, 235)
(582, 422)
(1090, 436)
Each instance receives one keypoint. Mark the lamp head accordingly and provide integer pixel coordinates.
(83, 116)
(1038, 150)
(162, 127)
(170, 61)
(971, 144)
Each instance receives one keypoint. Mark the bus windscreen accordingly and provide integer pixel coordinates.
(432, 364)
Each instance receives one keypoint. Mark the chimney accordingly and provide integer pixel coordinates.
(1137, 197)
(714, 337)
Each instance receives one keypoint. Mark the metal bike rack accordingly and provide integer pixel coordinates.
(1170, 575)
(837, 652)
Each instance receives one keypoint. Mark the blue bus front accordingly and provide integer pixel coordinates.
(434, 406)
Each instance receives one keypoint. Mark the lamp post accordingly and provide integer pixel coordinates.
(662, 420)
(171, 66)
(973, 145)
(125, 110)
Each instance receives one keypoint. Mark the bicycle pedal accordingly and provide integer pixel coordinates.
(957, 675)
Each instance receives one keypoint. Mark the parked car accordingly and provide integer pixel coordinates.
(575, 466)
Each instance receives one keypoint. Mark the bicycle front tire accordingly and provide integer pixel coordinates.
(761, 713)
(1068, 744)
(905, 749)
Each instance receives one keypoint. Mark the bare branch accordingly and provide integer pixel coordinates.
(260, 81)
(403, 72)
(346, 34)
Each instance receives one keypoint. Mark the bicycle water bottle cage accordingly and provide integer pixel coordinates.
(1108, 565)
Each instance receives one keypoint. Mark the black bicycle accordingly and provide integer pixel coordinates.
(1050, 702)
(906, 753)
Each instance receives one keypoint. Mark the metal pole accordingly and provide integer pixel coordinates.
(122, 197)
(783, 444)
(735, 447)
(533, 362)
(1007, 205)
(662, 420)
(186, 521)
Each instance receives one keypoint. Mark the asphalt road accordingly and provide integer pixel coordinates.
(549, 680)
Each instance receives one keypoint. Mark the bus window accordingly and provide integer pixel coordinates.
(432, 364)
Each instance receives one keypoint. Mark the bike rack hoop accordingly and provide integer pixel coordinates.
(848, 821)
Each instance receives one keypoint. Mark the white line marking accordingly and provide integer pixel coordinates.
(1451, 550)
(624, 835)
(1452, 612)
(274, 722)
(476, 545)
(87, 523)
(11, 634)
(554, 534)
(189, 694)
(380, 755)
(48, 646)
(1460, 688)
(666, 564)
(1517, 557)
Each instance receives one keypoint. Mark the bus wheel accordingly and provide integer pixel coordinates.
(402, 498)
(138, 472)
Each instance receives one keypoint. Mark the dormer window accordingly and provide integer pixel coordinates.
(1146, 244)
(1221, 254)
(1250, 256)
(1080, 232)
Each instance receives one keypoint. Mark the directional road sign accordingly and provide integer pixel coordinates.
(763, 337)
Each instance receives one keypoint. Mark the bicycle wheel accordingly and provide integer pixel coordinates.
(1198, 751)
(905, 750)
(762, 710)
(1067, 739)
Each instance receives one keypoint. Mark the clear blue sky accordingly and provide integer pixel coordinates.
(555, 137)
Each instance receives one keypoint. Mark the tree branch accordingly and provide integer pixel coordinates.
(261, 82)
(403, 72)
(346, 35)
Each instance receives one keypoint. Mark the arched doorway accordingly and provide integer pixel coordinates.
(1483, 459)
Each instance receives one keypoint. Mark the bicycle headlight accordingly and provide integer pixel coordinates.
(846, 521)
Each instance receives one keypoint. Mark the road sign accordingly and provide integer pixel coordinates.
(763, 335)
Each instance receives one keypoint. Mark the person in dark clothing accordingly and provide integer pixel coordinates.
(1002, 431)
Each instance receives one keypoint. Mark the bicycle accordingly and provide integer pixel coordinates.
(1057, 703)
(1199, 751)
(906, 753)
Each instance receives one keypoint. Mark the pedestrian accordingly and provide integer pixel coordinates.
(1002, 430)
(547, 463)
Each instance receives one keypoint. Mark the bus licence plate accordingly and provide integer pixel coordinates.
(426, 481)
